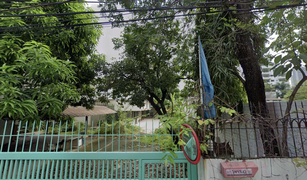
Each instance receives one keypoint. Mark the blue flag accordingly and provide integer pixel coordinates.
(208, 91)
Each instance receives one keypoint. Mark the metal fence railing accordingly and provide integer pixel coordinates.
(74, 150)
(53, 136)
(279, 135)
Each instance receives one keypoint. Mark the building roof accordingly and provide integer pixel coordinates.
(80, 111)
(274, 99)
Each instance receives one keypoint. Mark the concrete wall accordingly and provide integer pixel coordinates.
(268, 169)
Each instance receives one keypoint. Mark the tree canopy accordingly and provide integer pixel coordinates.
(154, 59)
(64, 33)
(289, 45)
(34, 85)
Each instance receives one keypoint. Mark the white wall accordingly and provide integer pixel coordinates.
(128, 107)
(268, 169)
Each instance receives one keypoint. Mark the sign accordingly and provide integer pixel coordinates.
(238, 169)
(238, 172)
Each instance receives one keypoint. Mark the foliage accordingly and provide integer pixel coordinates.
(34, 85)
(63, 34)
(300, 162)
(300, 95)
(154, 59)
(289, 46)
(289, 27)
(280, 88)
(217, 34)
(124, 125)
(181, 112)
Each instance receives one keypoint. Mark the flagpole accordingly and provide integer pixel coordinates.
(200, 81)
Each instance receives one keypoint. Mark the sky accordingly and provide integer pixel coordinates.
(105, 44)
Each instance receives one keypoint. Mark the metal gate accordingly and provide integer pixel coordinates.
(119, 150)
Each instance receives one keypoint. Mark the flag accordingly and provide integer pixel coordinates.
(208, 90)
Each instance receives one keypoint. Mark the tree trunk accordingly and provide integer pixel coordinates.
(254, 85)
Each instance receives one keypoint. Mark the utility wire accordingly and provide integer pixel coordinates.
(18, 29)
(101, 2)
(147, 9)
(108, 11)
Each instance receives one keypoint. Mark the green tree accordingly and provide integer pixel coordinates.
(218, 39)
(290, 44)
(281, 89)
(67, 38)
(222, 61)
(154, 59)
(34, 84)
(289, 26)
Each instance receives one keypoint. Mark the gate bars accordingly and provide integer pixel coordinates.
(62, 150)
(61, 137)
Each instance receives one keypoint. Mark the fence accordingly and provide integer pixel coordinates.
(119, 150)
(286, 136)
(75, 137)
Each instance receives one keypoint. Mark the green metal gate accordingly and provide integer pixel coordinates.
(117, 150)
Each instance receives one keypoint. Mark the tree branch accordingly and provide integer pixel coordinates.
(291, 98)
(239, 77)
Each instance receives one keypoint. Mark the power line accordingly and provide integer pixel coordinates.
(16, 29)
(149, 9)
(24, 2)
(109, 11)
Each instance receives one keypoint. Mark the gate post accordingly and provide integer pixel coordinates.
(201, 169)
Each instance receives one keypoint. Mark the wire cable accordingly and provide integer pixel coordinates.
(150, 9)
(254, 10)
(109, 11)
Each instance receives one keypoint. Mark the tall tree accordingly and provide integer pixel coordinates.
(249, 44)
(51, 23)
(222, 65)
(154, 58)
(218, 38)
(289, 46)
(245, 37)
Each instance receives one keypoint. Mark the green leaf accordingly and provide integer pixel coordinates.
(303, 56)
(289, 74)
(277, 59)
(171, 160)
(296, 43)
(211, 121)
(278, 70)
(200, 122)
(173, 154)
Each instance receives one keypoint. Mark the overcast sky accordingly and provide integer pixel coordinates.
(105, 44)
